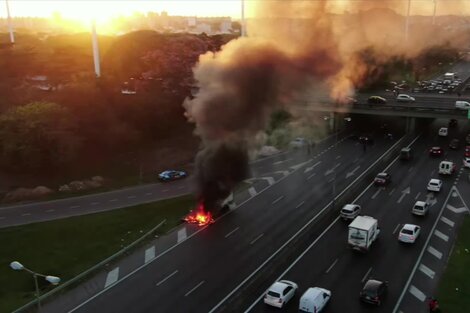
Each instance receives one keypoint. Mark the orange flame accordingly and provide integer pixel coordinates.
(200, 216)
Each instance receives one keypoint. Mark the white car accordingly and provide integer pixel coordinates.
(466, 162)
(435, 185)
(409, 233)
(443, 131)
(280, 293)
(298, 142)
(350, 211)
(314, 300)
(420, 208)
(405, 98)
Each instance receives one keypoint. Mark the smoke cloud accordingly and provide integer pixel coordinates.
(292, 45)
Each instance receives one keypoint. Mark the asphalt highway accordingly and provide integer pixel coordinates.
(197, 274)
(332, 265)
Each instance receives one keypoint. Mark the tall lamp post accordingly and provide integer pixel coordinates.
(335, 129)
(10, 23)
(96, 49)
(434, 12)
(243, 19)
(54, 280)
(407, 21)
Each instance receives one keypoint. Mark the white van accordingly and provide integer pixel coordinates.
(443, 131)
(446, 168)
(463, 105)
(314, 300)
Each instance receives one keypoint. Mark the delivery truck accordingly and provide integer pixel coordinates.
(363, 231)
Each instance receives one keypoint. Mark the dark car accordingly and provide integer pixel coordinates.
(453, 122)
(454, 144)
(374, 291)
(405, 154)
(376, 100)
(366, 139)
(467, 139)
(436, 151)
(171, 175)
(467, 152)
(382, 179)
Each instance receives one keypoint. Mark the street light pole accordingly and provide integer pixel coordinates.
(407, 22)
(434, 13)
(54, 280)
(243, 19)
(96, 49)
(10, 23)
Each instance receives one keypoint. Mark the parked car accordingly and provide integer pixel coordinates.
(350, 211)
(454, 144)
(376, 100)
(435, 185)
(409, 233)
(373, 291)
(382, 179)
(280, 293)
(420, 208)
(170, 175)
(436, 151)
(405, 98)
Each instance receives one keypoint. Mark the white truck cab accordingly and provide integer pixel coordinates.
(363, 231)
(447, 168)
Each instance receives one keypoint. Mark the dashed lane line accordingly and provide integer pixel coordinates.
(26, 214)
(417, 293)
(331, 266)
(50, 210)
(447, 221)
(441, 235)
(366, 275)
(277, 200)
(231, 233)
(300, 204)
(434, 252)
(193, 289)
(166, 278)
(182, 234)
(376, 193)
(256, 239)
(426, 271)
(417, 195)
(396, 228)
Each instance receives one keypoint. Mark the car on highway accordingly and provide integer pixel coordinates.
(405, 98)
(453, 122)
(409, 233)
(280, 293)
(466, 162)
(170, 175)
(443, 132)
(467, 151)
(405, 154)
(435, 185)
(454, 144)
(447, 168)
(366, 139)
(298, 143)
(420, 208)
(462, 105)
(373, 291)
(350, 211)
(314, 300)
(382, 179)
(376, 100)
(436, 151)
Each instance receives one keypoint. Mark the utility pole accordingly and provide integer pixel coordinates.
(407, 23)
(10, 24)
(434, 13)
(243, 19)
(96, 50)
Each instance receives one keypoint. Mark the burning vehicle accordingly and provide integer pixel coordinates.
(203, 215)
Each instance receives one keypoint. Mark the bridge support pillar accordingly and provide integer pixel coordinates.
(410, 124)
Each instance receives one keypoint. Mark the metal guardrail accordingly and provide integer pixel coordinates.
(30, 306)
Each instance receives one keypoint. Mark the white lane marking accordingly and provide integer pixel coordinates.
(308, 169)
(447, 221)
(297, 166)
(182, 235)
(50, 210)
(432, 173)
(26, 214)
(434, 252)
(456, 210)
(426, 271)
(331, 266)
(74, 207)
(311, 176)
(95, 203)
(332, 170)
(278, 199)
(404, 193)
(376, 193)
(252, 191)
(165, 190)
(130, 197)
(270, 180)
(284, 173)
(112, 277)
(166, 278)
(149, 254)
(338, 157)
(391, 192)
(300, 204)
(417, 293)
(417, 195)
(282, 161)
(148, 194)
(441, 235)
(396, 228)
(196, 287)
(256, 239)
(113, 200)
(353, 172)
(230, 233)
(366, 275)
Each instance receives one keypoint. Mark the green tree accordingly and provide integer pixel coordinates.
(37, 136)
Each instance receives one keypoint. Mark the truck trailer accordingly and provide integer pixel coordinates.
(363, 231)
